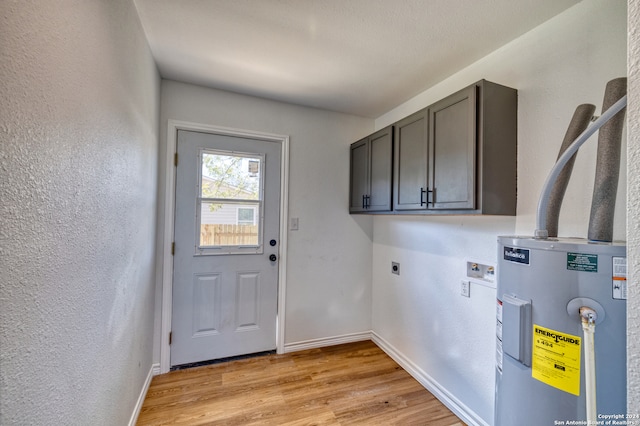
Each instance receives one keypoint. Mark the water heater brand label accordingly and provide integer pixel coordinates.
(582, 262)
(516, 255)
(556, 359)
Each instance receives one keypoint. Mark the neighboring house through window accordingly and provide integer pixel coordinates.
(246, 216)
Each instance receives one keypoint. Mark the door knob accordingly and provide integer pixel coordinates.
(273, 257)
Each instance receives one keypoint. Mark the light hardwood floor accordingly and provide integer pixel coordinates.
(351, 384)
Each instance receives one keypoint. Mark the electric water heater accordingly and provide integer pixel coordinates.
(561, 353)
(540, 365)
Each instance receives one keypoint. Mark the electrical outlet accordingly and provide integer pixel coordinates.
(395, 268)
(465, 288)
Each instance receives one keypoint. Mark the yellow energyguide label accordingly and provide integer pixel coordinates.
(556, 359)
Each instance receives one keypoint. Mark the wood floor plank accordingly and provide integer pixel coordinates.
(350, 384)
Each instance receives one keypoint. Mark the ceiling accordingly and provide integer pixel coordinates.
(361, 57)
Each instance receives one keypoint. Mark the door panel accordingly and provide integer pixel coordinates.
(206, 294)
(248, 301)
(224, 284)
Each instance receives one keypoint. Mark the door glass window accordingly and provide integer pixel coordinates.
(230, 203)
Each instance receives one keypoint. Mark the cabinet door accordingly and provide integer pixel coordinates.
(359, 179)
(452, 144)
(410, 162)
(380, 170)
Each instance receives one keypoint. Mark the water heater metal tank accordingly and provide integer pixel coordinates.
(540, 367)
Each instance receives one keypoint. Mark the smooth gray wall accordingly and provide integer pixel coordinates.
(78, 188)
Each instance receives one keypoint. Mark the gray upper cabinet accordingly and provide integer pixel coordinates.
(380, 169)
(457, 156)
(371, 165)
(452, 151)
(410, 162)
(359, 176)
(496, 149)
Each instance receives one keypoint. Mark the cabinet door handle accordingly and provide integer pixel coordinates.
(364, 203)
(367, 202)
(422, 193)
(432, 192)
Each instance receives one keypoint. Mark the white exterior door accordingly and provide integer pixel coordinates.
(225, 279)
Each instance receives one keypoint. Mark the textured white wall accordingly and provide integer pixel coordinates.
(78, 171)
(555, 67)
(329, 258)
(633, 203)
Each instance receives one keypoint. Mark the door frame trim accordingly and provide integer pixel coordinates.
(169, 226)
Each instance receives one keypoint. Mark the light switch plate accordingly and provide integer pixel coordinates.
(465, 288)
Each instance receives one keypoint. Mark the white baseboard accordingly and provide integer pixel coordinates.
(326, 341)
(451, 402)
(143, 394)
(155, 369)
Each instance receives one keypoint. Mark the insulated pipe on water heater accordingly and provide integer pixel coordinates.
(579, 122)
(543, 202)
(603, 202)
